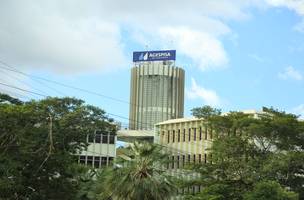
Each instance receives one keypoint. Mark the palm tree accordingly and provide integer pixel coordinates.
(140, 175)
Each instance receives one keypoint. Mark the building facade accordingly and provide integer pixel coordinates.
(186, 140)
(157, 93)
(101, 150)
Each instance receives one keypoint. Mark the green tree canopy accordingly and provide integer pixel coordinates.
(270, 190)
(205, 112)
(139, 175)
(38, 143)
(252, 148)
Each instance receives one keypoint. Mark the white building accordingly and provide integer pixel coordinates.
(101, 150)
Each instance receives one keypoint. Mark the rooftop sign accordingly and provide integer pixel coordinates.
(141, 56)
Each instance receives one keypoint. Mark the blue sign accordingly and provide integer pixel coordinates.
(141, 56)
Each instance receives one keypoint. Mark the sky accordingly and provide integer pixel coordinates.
(237, 55)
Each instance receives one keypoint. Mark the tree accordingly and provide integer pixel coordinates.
(205, 112)
(248, 149)
(4, 98)
(270, 190)
(140, 175)
(38, 144)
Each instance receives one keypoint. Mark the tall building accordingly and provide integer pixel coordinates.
(157, 89)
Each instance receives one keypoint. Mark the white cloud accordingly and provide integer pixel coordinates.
(209, 97)
(40, 36)
(295, 5)
(88, 36)
(290, 73)
(204, 49)
(299, 110)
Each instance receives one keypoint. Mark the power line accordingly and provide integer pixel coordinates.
(34, 78)
(47, 96)
(10, 68)
(21, 81)
(76, 88)
(61, 84)
(108, 113)
(24, 90)
(16, 94)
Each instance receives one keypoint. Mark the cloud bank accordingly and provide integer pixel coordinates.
(89, 36)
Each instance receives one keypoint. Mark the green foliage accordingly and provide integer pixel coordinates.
(213, 192)
(139, 175)
(37, 143)
(249, 149)
(205, 112)
(270, 190)
(4, 98)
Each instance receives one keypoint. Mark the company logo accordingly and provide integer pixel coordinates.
(154, 55)
(160, 55)
(143, 56)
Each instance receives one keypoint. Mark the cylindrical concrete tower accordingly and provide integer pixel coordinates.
(157, 94)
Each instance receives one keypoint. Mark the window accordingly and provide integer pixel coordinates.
(168, 137)
(168, 163)
(82, 159)
(172, 165)
(205, 158)
(103, 160)
(199, 158)
(90, 160)
(178, 136)
(206, 133)
(184, 135)
(96, 161)
(91, 138)
(189, 136)
(183, 160)
(97, 138)
(189, 158)
(105, 139)
(200, 133)
(194, 158)
(194, 134)
(173, 136)
(177, 162)
(112, 139)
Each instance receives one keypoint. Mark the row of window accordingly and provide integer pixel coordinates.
(179, 161)
(190, 190)
(189, 136)
(102, 138)
(95, 161)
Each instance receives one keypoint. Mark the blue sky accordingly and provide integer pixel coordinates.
(240, 55)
